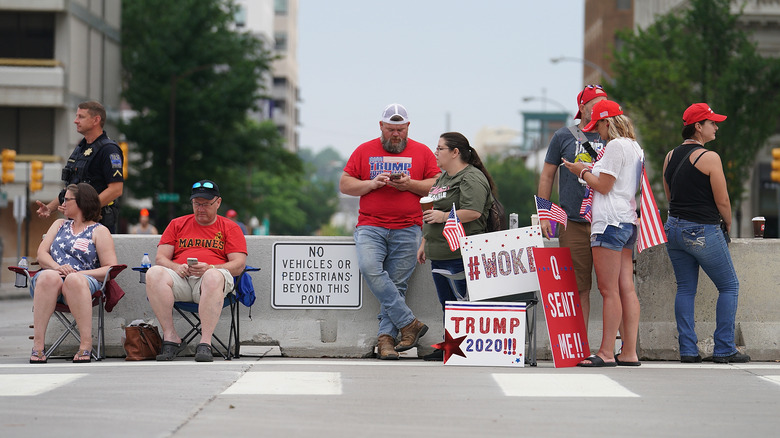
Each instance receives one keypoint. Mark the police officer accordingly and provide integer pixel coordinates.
(97, 160)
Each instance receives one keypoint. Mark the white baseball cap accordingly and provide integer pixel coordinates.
(395, 114)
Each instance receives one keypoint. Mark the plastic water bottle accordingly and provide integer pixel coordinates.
(21, 279)
(145, 263)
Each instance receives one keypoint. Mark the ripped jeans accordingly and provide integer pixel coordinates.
(690, 246)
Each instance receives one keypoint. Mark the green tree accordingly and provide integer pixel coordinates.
(516, 186)
(190, 46)
(698, 55)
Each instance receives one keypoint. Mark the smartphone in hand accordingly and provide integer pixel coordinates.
(191, 261)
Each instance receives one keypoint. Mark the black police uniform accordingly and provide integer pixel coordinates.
(98, 164)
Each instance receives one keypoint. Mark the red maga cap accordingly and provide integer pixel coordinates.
(602, 110)
(589, 93)
(700, 111)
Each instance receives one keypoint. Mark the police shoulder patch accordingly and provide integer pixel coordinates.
(116, 161)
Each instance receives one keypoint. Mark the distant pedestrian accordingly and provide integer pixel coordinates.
(233, 216)
(144, 227)
(390, 174)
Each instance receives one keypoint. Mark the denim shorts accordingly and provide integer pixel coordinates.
(94, 287)
(616, 238)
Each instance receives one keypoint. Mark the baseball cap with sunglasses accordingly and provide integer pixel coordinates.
(205, 189)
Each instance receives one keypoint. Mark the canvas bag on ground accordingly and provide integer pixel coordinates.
(142, 342)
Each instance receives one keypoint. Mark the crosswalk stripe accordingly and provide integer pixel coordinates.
(773, 379)
(33, 384)
(286, 383)
(560, 385)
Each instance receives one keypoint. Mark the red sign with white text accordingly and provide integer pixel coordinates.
(562, 308)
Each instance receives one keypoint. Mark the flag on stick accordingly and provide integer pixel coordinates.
(549, 211)
(651, 229)
(453, 230)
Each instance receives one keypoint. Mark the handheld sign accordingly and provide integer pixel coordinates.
(501, 263)
(485, 334)
(562, 307)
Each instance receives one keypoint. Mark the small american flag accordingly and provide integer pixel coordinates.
(586, 209)
(81, 244)
(651, 229)
(453, 230)
(549, 211)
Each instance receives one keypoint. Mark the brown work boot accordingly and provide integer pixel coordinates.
(411, 334)
(384, 348)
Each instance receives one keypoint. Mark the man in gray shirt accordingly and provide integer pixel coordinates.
(573, 144)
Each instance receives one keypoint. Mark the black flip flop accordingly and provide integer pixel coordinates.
(627, 363)
(596, 362)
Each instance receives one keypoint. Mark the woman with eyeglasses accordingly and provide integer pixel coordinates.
(695, 186)
(615, 180)
(466, 183)
(75, 255)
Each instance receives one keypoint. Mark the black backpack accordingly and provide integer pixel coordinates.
(497, 219)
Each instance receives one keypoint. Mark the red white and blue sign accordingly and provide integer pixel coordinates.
(484, 334)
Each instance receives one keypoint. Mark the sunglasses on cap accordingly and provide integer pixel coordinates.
(207, 185)
(594, 86)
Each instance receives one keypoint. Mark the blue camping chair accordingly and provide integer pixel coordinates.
(243, 292)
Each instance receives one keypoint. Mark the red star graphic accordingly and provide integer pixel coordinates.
(450, 345)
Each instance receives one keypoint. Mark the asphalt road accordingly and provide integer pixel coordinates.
(365, 397)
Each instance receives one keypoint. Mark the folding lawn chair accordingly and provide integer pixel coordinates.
(106, 298)
(189, 311)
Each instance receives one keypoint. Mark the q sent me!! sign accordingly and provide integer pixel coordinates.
(315, 276)
(562, 307)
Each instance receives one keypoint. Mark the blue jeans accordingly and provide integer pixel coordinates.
(692, 245)
(447, 288)
(386, 259)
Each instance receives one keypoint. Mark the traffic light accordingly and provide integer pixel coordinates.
(36, 175)
(123, 146)
(9, 157)
(775, 164)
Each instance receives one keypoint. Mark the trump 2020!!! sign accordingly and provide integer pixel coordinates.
(485, 334)
(562, 307)
(501, 263)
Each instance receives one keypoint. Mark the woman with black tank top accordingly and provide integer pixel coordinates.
(695, 186)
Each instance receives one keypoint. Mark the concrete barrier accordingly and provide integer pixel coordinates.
(352, 333)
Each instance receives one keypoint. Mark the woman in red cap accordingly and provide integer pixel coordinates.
(615, 181)
(698, 208)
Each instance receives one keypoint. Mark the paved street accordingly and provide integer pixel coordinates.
(337, 398)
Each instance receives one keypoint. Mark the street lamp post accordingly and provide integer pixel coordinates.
(546, 99)
(590, 64)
